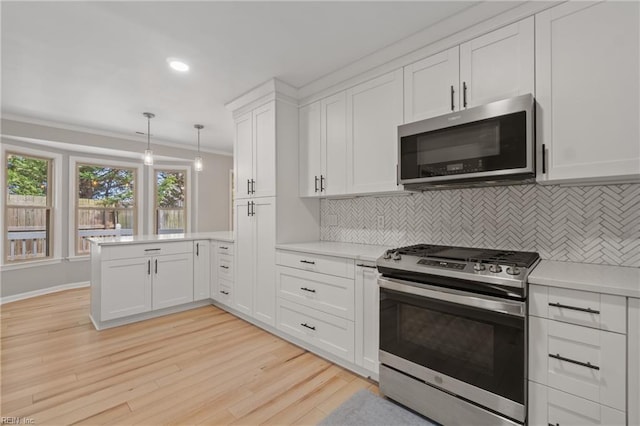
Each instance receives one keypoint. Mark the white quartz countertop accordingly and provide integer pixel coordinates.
(366, 252)
(226, 236)
(617, 280)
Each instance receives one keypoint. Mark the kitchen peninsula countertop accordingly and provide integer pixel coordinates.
(226, 236)
(616, 280)
(365, 252)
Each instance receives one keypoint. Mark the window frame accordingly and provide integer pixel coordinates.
(153, 196)
(138, 188)
(54, 201)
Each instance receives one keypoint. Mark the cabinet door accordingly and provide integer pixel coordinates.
(374, 110)
(371, 316)
(243, 156)
(587, 85)
(243, 292)
(126, 287)
(265, 260)
(334, 144)
(214, 287)
(431, 86)
(498, 65)
(309, 139)
(201, 270)
(264, 150)
(172, 280)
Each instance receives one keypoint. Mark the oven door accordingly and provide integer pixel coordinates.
(470, 345)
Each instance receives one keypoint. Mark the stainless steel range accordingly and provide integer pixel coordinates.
(453, 332)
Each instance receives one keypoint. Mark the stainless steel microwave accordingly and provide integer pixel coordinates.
(487, 145)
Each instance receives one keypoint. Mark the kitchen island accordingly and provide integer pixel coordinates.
(138, 277)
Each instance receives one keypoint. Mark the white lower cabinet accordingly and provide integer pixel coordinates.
(172, 280)
(201, 270)
(222, 272)
(578, 367)
(368, 316)
(254, 287)
(126, 287)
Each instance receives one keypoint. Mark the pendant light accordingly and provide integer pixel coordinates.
(197, 163)
(148, 154)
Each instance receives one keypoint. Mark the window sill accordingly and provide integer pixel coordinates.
(29, 264)
(82, 258)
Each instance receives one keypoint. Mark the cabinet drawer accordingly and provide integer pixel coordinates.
(582, 361)
(128, 251)
(330, 265)
(549, 406)
(326, 293)
(603, 311)
(225, 267)
(225, 292)
(333, 334)
(225, 248)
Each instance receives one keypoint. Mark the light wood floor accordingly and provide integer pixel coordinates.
(201, 366)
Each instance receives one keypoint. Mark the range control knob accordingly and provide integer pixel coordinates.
(396, 256)
(479, 267)
(513, 270)
(387, 254)
(495, 268)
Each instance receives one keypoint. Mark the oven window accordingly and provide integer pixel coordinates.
(482, 348)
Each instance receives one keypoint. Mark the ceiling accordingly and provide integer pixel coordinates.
(99, 65)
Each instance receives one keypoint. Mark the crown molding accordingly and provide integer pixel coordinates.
(105, 133)
(269, 90)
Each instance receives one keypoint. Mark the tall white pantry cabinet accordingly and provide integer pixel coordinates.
(267, 207)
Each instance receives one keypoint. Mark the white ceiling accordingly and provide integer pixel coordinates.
(99, 65)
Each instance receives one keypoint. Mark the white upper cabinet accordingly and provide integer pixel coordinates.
(588, 92)
(323, 149)
(495, 66)
(333, 156)
(498, 65)
(431, 86)
(374, 111)
(310, 148)
(255, 154)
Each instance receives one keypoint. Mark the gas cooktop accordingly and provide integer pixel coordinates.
(501, 267)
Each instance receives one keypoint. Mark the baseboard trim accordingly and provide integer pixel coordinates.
(41, 292)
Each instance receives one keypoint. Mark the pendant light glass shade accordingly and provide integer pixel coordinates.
(197, 162)
(148, 154)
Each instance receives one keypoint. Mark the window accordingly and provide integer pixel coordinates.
(28, 207)
(105, 204)
(170, 201)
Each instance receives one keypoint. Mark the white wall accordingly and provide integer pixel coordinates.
(209, 193)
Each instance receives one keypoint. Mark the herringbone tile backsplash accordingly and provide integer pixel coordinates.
(595, 224)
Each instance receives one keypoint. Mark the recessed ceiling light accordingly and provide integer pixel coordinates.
(178, 65)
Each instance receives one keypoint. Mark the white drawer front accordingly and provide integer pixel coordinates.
(333, 334)
(338, 266)
(225, 248)
(603, 311)
(582, 361)
(549, 406)
(225, 292)
(326, 293)
(128, 251)
(225, 267)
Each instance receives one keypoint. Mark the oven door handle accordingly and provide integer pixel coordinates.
(486, 303)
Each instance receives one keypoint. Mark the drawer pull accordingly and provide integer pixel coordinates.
(224, 248)
(224, 267)
(584, 364)
(224, 292)
(310, 290)
(155, 249)
(551, 424)
(575, 308)
(308, 262)
(310, 327)
(366, 266)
